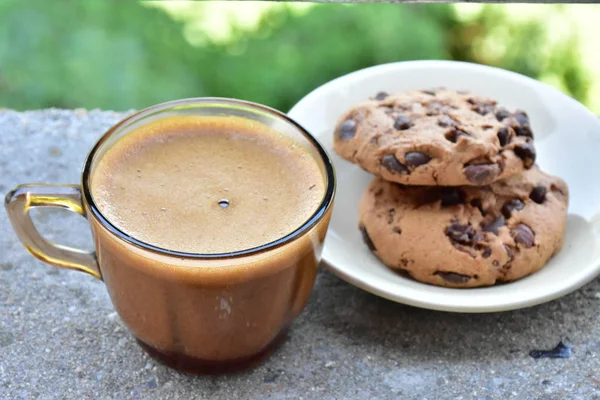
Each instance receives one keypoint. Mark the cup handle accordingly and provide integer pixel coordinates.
(22, 198)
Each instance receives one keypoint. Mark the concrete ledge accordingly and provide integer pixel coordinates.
(61, 339)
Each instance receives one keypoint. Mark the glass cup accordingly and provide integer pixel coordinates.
(202, 313)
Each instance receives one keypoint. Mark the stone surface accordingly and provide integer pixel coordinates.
(61, 339)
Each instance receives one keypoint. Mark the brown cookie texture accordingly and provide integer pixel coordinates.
(466, 236)
(436, 137)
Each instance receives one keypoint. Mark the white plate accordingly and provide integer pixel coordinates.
(567, 143)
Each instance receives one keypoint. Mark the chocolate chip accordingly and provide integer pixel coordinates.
(538, 194)
(502, 113)
(495, 225)
(504, 136)
(523, 128)
(481, 174)
(451, 196)
(482, 108)
(509, 252)
(508, 207)
(397, 230)
(477, 203)
(429, 92)
(453, 277)
(391, 163)
(486, 252)
(445, 121)
(346, 130)
(454, 134)
(526, 152)
(463, 234)
(402, 123)
(366, 238)
(521, 117)
(523, 234)
(523, 131)
(381, 96)
(416, 158)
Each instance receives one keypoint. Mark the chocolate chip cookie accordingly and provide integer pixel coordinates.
(466, 236)
(436, 137)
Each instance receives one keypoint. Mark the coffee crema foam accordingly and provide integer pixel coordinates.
(207, 184)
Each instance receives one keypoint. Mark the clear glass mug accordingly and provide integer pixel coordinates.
(204, 313)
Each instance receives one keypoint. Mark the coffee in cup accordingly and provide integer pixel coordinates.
(208, 217)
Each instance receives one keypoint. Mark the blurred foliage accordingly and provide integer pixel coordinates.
(90, 54)
(494, 38)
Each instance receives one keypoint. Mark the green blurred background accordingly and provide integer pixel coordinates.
(120, 55)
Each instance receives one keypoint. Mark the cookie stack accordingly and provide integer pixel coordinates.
(457, 199)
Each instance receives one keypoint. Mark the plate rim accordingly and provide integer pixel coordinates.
(517, 305)
(432, 63)
(589, 274)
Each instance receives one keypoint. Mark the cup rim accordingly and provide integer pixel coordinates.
(306, 226)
